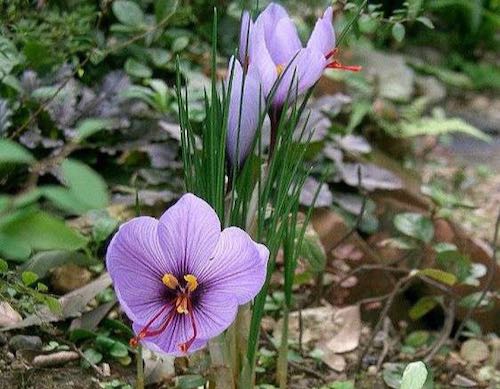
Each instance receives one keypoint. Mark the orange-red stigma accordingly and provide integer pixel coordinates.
(337, 65)
(180, 305)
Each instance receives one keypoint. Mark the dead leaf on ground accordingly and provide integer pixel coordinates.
(347, 338)
(157, 368)
(8, 315)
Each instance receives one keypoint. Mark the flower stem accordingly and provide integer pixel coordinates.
(222, 376)
(282, 363)
(140, 368)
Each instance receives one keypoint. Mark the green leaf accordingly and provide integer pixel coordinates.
(422, 307)
(454, 262)
(180, 44)
(104, 343)
(398, 32)
(415, 225)
(440, 126)
(118, 350)
(12, 152)
(426, 22)
(367, 24)
(439, 275)
(414, 7)
(28, 278)
(312, 249)
(14, 248)
(91, 357)
(417, 338)
(64, 199)
(190, 381)
(137, 69)
(81, 334)
(53, 304)
(414, 376)
(4, 266)
(85, 184)
(471, 300)
(89, 127)
(128, 12)
(41, 231)
(163, 8)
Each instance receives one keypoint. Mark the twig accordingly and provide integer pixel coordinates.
(387, 344)
(308, 370)
(487, 286)
(445, 332)
(383, 314)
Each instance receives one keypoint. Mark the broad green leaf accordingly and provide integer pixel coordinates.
(137, 69)
(163, 8)
(128, 12)
(367, 24)
(414, 376)
(41, 231)
(454, 262)
(85, 184)
(118, 350)
(14, 248)
(180, 44)
(422, 307)
(12, 152)
(64, 199)
(392, 373)
(439, 275)
(471, 301)
(414, 7)
(398, 32)
(28, 278)
(104, 343)
(91, 356)
(81, 334)
(89, 127)
(53, 304)
(417, 338)
(312, 250)
(4, 266)
(415, 225)
(426, 22)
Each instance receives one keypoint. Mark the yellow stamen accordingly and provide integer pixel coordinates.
(192, 282)
(181, 304)
(279, 69)
(170, 281)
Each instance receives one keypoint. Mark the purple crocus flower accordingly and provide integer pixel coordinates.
(180, 279)
(246, 92)
(273, 47)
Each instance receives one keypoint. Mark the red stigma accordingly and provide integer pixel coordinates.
(337, 65)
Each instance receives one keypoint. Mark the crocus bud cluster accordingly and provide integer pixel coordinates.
(276, 67)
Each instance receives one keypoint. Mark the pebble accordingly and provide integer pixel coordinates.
(25, 342)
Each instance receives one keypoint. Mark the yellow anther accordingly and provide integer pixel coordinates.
(170, 281)
(181, 304)
(279, 69)
(192, 282)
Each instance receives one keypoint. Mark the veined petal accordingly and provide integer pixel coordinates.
(270, 17)
(245, 36)
(188, 233)
(323, 35)
(214, 311)
(284, 42)
(236, 268)
(179, 331)
(260, 61)
(246, 93)
(305, 69)
(136, 264)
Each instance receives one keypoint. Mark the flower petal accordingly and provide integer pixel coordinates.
(168, 342)
(323, 35)
(242, 128)
(305, 69)
(136, 264)
(237, 268)
(214, 311)
(270, 17)
(260, 60)
(245, 36)
(188, 233)
(284, 42)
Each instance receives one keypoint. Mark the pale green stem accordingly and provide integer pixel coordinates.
(140, 368)
(282, 363)
(221, 376)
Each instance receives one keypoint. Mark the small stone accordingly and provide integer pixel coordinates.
(372, 370)
(69, 277)
(464, 382)
(10, 356)
(8, 315)
(25, 342)
(474, 351)
(105, 369)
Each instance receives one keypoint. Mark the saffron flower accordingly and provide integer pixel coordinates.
(273, 47)
(245, 105)
(180, 279)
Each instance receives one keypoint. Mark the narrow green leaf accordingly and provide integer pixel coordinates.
(422, 307)
(439, 275)
(426, 22)
(4, 266)
(12, 152)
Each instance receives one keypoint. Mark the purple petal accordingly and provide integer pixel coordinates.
(245, 36)
(214, 312)
(306, 68)
(284, 41)
(238, 267)
(179, 331)
(323, 35)
(136, 264)
(260, 61)
(188, 233)
(242, 128)
(270, 17)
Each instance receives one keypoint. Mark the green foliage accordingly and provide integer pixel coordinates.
(414, 376)
(12, 152)
(415, 226)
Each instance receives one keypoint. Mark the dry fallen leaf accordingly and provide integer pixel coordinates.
(157, 368)
(347, 338)
(8, 315)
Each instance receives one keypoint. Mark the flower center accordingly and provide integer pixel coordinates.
(180, 305)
